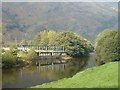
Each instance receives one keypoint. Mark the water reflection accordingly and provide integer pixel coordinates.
(34, 75)
(75, 66)
(10, 76)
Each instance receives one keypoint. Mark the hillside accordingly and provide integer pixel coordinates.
(25, 20)
(105, 76)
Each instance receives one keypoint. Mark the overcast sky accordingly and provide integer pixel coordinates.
(60, 0)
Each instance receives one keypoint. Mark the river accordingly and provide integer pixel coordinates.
(35, 75)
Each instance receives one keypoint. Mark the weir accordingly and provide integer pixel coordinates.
(45, 52)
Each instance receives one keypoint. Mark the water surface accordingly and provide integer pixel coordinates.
(35, 75)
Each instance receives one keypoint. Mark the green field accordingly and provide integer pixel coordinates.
(104, 76)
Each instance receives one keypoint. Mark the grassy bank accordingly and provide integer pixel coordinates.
(105, 76)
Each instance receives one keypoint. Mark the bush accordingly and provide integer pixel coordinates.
(13, 50)
(107, 47)
(8, 59)
(30, 56)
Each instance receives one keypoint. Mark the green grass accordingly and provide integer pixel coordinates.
(104, 76)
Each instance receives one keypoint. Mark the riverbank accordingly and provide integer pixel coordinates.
(104, 76)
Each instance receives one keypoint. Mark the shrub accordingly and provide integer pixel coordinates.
(8, 59)
(107, 47)
(31, 55)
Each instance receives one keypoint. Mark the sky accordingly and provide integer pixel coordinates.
(60, 0)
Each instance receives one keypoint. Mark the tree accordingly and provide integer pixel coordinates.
(52, 35)
(42, 39)
(46, 38)
(75, 45)
(24, 42)
(107, 47)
